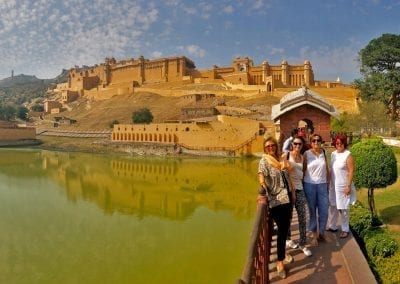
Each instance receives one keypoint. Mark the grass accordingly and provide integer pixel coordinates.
(387, 204)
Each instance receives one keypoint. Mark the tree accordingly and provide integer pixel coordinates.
(142, 115)
(37, 108)
(22, 113)
(7, 112)
(372, 118)
(380, 67)
(376, 167)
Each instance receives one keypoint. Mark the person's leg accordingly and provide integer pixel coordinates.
(311, 197)
(332, 218)
(344, 216)
(281, 215)
(322, 204)
(301, 215)
(332, 211)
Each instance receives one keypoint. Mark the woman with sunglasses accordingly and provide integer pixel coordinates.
(316, 173)
(275, 192)
(295, 160)
(342, 192)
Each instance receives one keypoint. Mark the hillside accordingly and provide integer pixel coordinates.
(22, 89)
(98, 115)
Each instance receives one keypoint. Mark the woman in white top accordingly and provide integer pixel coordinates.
(342, 192)
(316, 173)
(295, 167)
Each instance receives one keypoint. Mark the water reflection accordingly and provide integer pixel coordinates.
(170, 188)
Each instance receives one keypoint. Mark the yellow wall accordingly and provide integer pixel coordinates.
(228, 133)
(7, 134)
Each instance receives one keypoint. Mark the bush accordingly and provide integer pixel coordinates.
(143, 115)
(113, 122)
(360, 220)
(380, 244)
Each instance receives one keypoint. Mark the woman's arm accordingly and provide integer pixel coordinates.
(350, 174)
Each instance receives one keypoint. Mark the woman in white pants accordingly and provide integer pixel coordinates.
(342, 192)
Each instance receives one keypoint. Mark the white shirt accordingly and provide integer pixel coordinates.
(316, 168)
(296, 174)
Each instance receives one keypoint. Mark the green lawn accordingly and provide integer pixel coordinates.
(387, 203)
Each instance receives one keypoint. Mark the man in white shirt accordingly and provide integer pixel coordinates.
(288, 142)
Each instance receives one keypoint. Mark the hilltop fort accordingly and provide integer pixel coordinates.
(122, 77)
(223, 110)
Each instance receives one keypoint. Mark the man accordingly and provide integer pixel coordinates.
(288, 142)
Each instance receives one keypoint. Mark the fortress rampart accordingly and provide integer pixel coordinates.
(120, 77)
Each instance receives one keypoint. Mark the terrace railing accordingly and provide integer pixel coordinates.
(256, 269)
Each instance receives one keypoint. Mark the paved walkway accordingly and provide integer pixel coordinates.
(334, 261)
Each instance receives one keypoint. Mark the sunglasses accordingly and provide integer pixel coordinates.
(297, 143)
(316, 140)
(339, 143)
(270, 146)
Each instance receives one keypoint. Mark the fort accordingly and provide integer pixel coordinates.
(206, 124)
(121, 77)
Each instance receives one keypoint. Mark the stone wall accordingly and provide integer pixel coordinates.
(11, 134)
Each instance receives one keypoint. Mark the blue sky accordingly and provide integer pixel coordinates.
(42, 37)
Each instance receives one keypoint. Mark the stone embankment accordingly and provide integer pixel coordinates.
(100, 142)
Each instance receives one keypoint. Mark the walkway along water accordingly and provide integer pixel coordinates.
(334, 261)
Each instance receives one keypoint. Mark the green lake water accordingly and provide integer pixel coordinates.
(83, 218)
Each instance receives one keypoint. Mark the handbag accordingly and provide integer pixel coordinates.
(281, 195)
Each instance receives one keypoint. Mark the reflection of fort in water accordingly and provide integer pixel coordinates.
(128, 169)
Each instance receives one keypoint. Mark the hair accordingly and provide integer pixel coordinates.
(270, 138)
(342, 138)
(304, 146)
(294, 132)
(314, 135)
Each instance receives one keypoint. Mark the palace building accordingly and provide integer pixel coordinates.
(121, 77)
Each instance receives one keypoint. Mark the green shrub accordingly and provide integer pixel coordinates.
(360, 220)
(113, 122)
(379, 243)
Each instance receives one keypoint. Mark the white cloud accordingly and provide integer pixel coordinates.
(193, 50)
(36, 36)
(329, 63)
(274, 51)
(228, 9)
(156, 54)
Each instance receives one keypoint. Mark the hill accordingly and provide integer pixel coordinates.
(93, 114)
(23, 89)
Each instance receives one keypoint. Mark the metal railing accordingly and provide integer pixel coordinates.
(256, 269)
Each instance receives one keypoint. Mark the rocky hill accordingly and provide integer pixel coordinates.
(23, 89)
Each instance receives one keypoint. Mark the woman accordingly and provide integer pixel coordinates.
(316, 173)
(271, 174)
(342, 192)
(295, 168)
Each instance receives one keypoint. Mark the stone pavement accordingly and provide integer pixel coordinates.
(334, 261)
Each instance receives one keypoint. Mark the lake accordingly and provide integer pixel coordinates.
(90, 218)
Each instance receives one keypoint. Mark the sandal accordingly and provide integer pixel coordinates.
(281, 273)
(344, 235)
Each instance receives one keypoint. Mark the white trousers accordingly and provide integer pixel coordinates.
(333, 215)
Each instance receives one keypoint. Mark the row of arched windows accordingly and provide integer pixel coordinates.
(144, 168)
(145, 137)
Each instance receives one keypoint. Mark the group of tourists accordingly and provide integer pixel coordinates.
(301, 177)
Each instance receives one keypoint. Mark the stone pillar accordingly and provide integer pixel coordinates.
(284, 72)
(265, 71)
(141, 70)
(307, 73)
